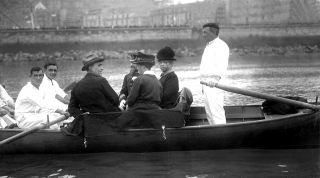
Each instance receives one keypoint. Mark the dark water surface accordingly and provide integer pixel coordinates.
(277, 75)
(188, 164)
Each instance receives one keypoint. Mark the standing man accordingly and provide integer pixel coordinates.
(213, 65)
(146, 89)
(93, 93)
(51, 89)
(31, 108)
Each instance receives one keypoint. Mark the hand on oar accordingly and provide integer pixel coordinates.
(263, 96)
(211, 83)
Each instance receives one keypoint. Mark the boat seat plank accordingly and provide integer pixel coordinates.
(233, 114)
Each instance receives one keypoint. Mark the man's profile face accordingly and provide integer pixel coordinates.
(208, 35)
(36, 78)
(51, 71)
(96, 68)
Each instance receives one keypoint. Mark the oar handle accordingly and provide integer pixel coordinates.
(262, 96)
(31, 130)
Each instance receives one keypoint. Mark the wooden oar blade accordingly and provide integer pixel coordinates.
(263, 96)
(70, 86)
(31, 130)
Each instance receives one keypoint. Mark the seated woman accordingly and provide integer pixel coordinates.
(146, 89)
(168, 78)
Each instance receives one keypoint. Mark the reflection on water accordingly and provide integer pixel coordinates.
(272, 75)
(195, 164)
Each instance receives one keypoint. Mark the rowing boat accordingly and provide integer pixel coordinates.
(247, 127)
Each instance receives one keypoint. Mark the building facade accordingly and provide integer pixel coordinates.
(152, 13)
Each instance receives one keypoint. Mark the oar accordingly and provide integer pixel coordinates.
(31, 130)
(70, 86)
(263, 96)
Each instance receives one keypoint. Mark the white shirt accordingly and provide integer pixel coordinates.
(150, 72)
(2, 103)
(214, 59)
(31, 101)
(4, 96)
(50, 88)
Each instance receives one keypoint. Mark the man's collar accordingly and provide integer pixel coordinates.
(46, 78)
(166, 73)
(29, 83)
(210, 42)
(92, 74)
(150, 72)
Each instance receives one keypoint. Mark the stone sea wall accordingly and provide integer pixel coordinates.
(180, 52)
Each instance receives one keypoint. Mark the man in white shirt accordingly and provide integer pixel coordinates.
(7, 107)
(31, 108)
(213, 65)
(51, 89)
(4, 96)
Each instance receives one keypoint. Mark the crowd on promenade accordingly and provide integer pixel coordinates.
(180, 52)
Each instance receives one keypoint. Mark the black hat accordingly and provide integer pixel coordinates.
(139, 57)
(89, 60)
(166, 53)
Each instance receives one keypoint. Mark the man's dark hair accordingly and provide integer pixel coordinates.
(35, 69)
(213, 27)
(50, 63)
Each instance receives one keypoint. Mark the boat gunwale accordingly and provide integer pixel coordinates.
(291, 116)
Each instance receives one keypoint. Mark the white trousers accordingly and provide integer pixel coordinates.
(213, 103)
(32, 120)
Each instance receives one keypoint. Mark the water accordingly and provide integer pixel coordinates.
(188, 164)
(277, 75)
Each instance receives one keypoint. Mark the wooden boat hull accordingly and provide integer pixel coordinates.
(289, 131)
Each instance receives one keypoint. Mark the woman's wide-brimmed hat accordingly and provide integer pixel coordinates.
(138, 58)
(89, 60)
(166, 53)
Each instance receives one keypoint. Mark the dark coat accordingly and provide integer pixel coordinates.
(146, 91)
(170, 92)
(92, 94)
(127, 85)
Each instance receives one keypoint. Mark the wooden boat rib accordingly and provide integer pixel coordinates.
(247, 127)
